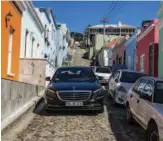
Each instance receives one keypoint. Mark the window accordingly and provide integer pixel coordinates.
(103, 70)
(158, 94)
(130, 77)
(141, 86)
(10, 52)
(33, 39)
(25, 50)
(74, 75)
(148, 91)
(136, 85)
(117, 74)
(142, 61)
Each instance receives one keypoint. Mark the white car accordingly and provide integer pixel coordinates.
(145, 105)
(103, 74)
(120, 83)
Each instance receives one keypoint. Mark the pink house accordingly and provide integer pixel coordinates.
(147, 49)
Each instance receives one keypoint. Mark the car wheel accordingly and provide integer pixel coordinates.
(129, 116)
(152, 132)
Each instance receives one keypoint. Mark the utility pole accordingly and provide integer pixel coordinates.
(104, 21)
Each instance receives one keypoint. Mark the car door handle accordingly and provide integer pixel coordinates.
(137, 100)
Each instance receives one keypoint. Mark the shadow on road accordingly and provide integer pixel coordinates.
(85, 55)
(40, 110)
(119, 126)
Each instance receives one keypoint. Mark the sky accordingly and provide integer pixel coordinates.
(78, 14)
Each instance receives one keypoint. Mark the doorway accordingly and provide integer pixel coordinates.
(150, 59)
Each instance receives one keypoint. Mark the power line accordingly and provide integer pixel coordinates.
(113, 15)
(112, 8)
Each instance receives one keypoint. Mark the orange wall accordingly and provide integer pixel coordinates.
(15, 22)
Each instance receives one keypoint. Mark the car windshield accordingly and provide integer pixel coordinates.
(74, 75)
(130, 77)
(103, 70)
(158, 96)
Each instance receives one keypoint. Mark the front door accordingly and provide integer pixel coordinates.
(144, 102)
(150, 59)
(136, 97)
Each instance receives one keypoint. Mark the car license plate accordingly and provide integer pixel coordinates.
(74, 103)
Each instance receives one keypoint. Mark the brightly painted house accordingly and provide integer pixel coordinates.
(147, 49)
(160, 64)
(49, 38)
(32, 33)
(119, 51)
(130, 46)
(11, 16)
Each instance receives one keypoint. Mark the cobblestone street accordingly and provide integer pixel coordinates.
(81, 126)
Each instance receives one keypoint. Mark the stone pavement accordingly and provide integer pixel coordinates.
(81, 126)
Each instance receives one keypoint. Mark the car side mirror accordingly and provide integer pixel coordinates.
(47, 78)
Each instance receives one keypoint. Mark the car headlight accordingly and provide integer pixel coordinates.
(100, 77)
(122, 89)
(98, 93)
(50, 93)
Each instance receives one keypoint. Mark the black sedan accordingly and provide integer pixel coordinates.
(74, 88)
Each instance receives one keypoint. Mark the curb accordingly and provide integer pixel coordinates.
(9, 120)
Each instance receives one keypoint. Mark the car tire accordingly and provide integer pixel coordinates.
(129, 116)
(152, 132)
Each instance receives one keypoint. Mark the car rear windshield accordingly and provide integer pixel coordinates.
(74, 75)
(158, 96)
(103, 70)
(130, 77)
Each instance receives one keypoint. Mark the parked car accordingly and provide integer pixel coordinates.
(74, 88)
(145, 105)
(117, 67)
(120, 83)
(103, 74)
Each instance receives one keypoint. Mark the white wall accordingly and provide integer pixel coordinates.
(62, 53)
(28, 23)
(51, 50)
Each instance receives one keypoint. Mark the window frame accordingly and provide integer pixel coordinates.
(136, 85)
(136, 91)
(153, 83)
(142, 62)
(118, 75)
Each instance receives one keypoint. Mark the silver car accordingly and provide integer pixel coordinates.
(120, 83)
(145, 105)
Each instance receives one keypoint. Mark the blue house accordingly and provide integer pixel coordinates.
(130, 46)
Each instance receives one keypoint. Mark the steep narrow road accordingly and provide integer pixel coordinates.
(81, 126)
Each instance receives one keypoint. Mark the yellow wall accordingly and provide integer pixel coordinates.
(15, 22)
